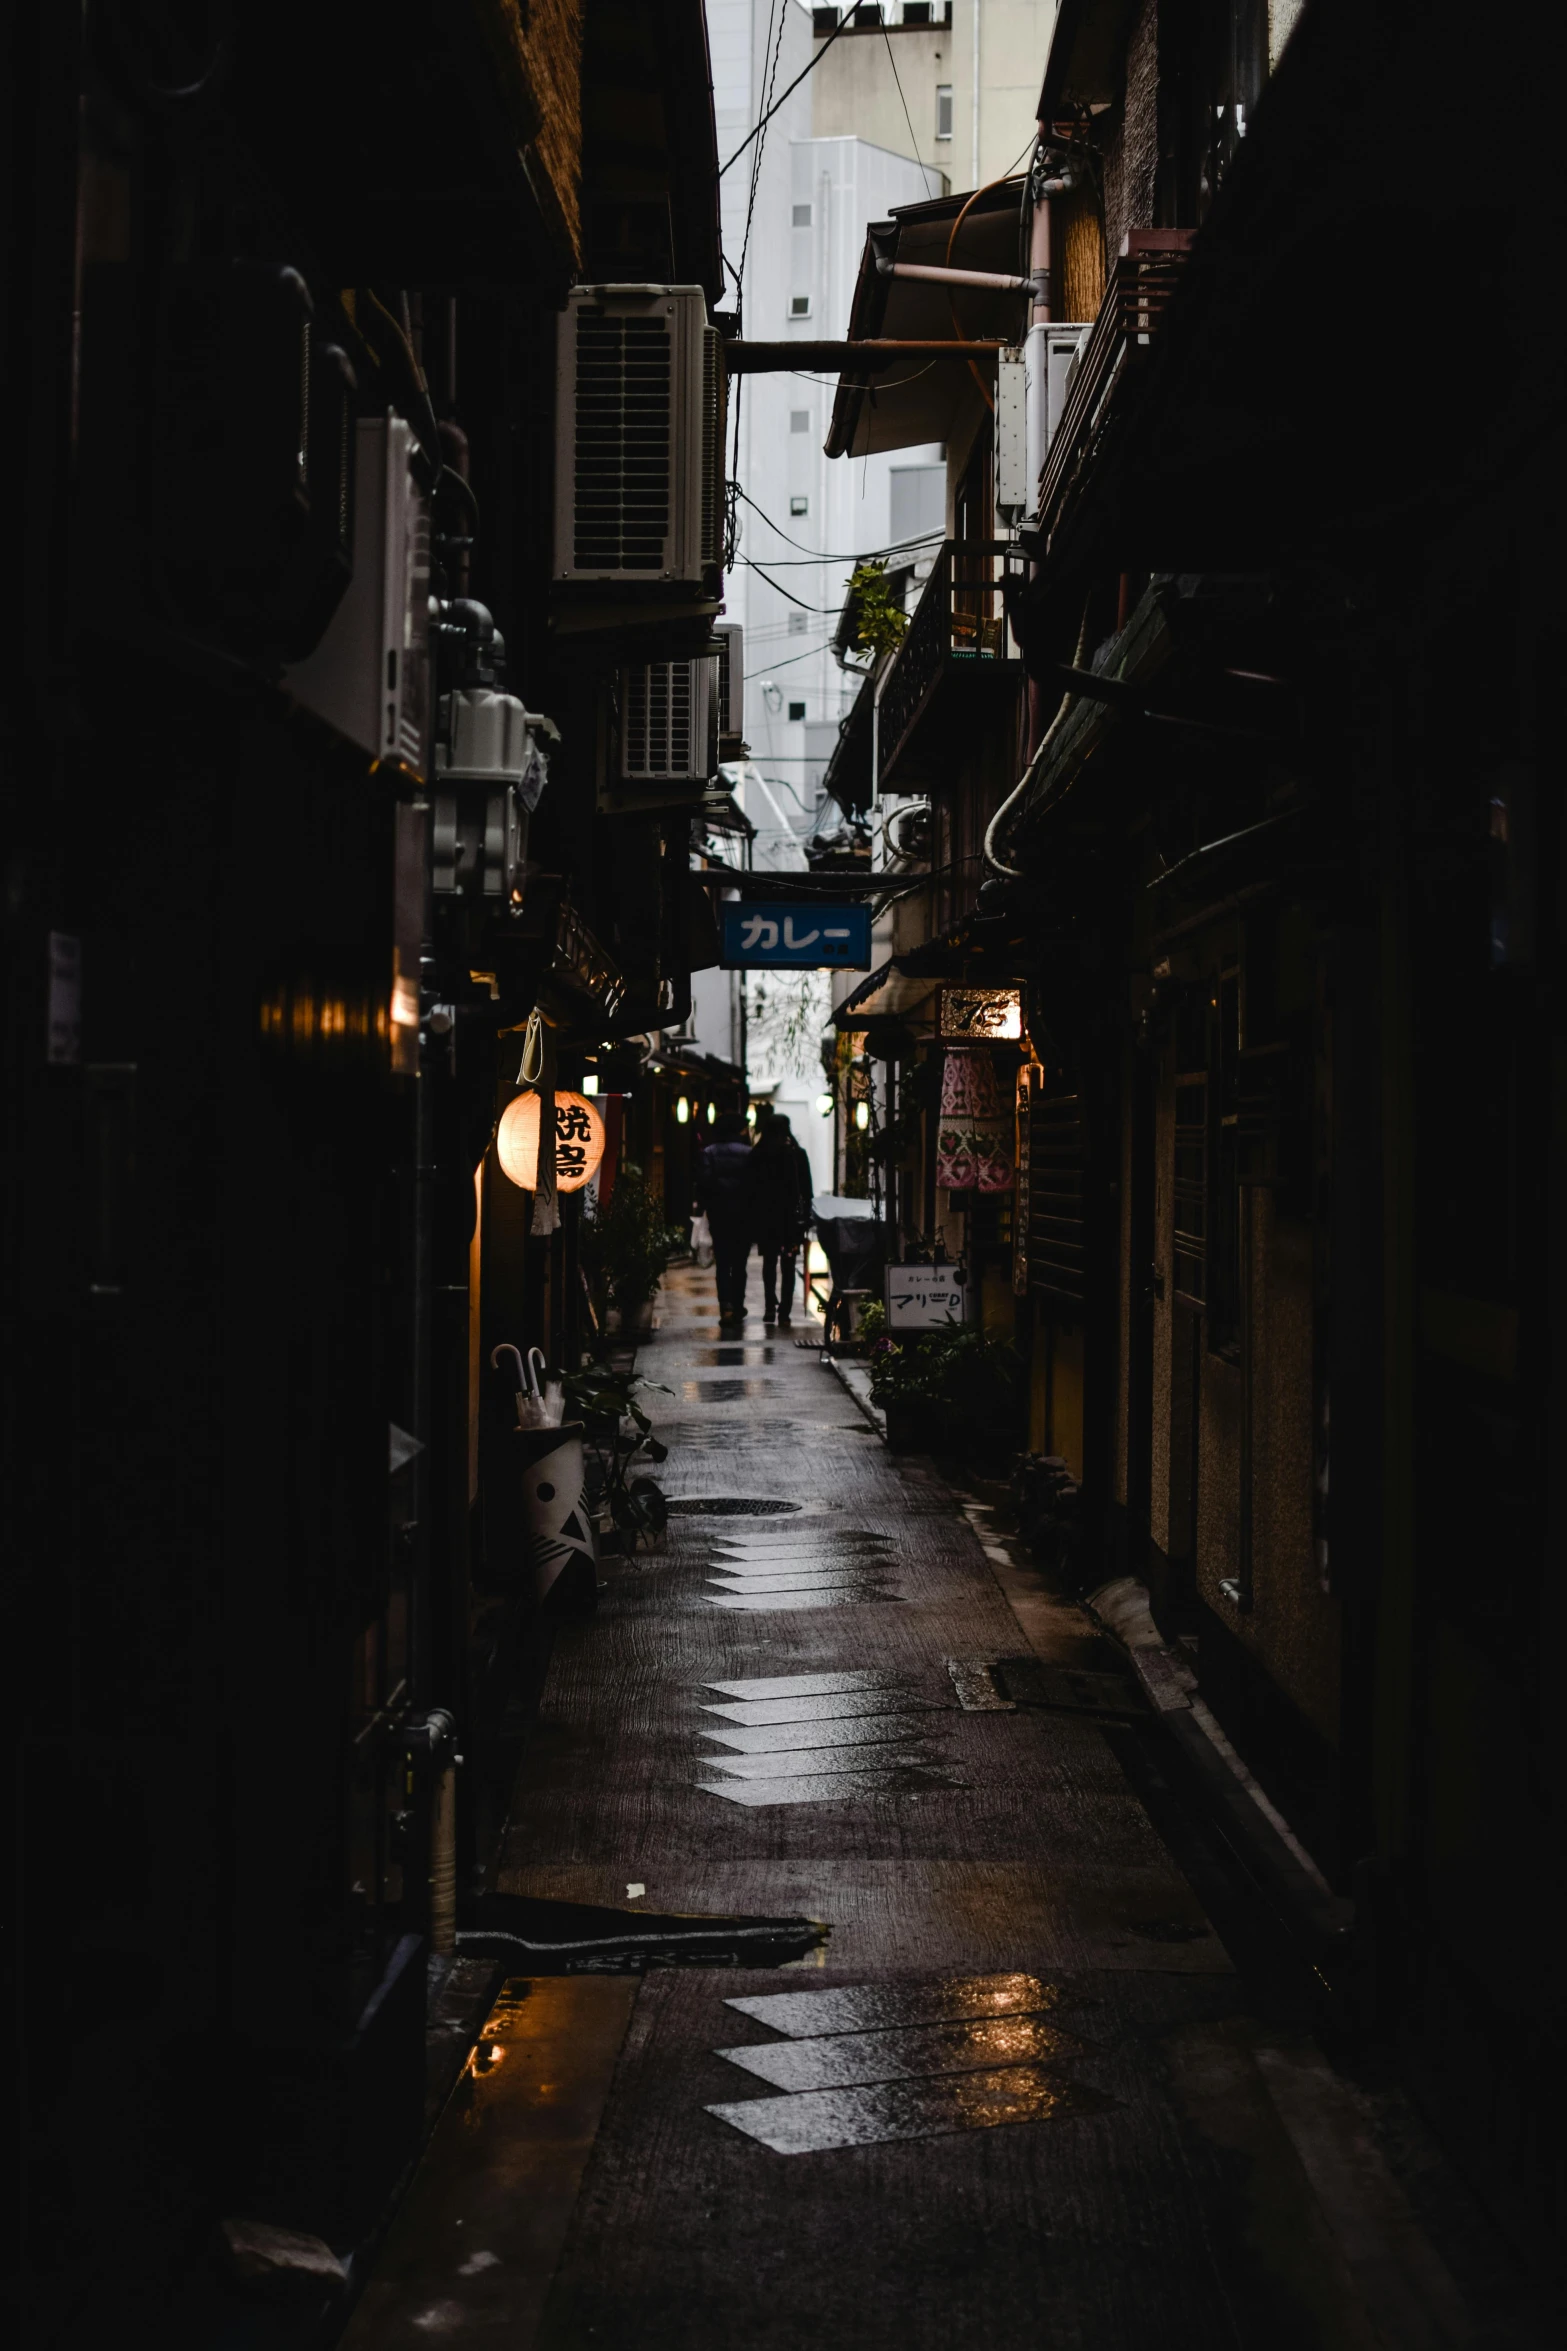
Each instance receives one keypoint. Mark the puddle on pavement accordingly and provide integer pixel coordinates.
(833, 1706)
(729, 1506)
(538, 1937)
(825, 1787)
(790, 1738)
(713, 1355)
(722, 1390)
(870, 2008)
(809, 1685)
(830, 1596)
(798, 1763)
(803, 1579)
(816, 2120)
(805, 1551)
(844, 2060)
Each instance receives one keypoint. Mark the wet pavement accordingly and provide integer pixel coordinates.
(1023, 2091)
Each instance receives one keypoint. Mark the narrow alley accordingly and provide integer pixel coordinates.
(1021, 2090)
(783, 1149)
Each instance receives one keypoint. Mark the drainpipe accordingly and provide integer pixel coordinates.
(434, 1738)
(1036, 381)
(975, 71)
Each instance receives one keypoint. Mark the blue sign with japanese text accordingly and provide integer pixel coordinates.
(795, 936)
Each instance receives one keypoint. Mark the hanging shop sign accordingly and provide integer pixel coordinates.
(579, 1141)
(793, 936)
(926, 1297)
(981, 1016)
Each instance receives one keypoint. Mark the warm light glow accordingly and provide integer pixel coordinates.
(862, 1115)
(750, 1116)
(682, 1111)
(590, 1084)
(579, 1142)
(824, 1104)
(712, 1112)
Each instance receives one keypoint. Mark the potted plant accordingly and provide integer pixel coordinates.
(619, 1434)
(953, 1389)
(626, 1249)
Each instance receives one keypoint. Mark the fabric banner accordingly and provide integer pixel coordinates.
(973, 1140)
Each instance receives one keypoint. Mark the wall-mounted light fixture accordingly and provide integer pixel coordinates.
(682, 1111)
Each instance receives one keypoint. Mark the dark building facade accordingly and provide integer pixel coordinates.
(1275, 870)
(313, 806)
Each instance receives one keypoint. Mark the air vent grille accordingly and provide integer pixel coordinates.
(659, 722)
(625, 389)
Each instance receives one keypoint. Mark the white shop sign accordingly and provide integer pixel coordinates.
(923, 1297)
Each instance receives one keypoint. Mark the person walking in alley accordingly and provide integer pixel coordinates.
(778, 1179)
(723, 1196)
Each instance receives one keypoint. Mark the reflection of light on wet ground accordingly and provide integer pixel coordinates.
(842, 2060)
(815, 2120)
(869, 2062)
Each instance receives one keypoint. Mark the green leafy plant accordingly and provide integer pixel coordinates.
(618, 1434)
(880, 622)
(626, 1248)
(872, 1323)
(958, 1375)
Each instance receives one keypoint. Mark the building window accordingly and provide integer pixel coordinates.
(1191, 1188)
(799, 420)
(799, 306)
(797, 623)
(797, 710)
(943, 110)
(799, 506)
(802, 216)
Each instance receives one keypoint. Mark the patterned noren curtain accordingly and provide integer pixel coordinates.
(974, 1140)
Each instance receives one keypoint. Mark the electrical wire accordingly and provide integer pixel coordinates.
(777, 13)
(897, 547)
(809, 654)
(928, 169)
(793, 86)
(779, 590)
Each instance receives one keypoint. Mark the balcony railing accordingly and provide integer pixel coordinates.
(958, 633)
(1142, 284)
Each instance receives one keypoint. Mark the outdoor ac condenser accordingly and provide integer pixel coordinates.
(369, 676)
(668, 722)
(639, 442)
(731, 678)
(1049, 354)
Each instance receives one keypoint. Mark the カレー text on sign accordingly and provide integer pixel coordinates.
(796, 937)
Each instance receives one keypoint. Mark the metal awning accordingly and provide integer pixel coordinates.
(931, 399)
(884, 993)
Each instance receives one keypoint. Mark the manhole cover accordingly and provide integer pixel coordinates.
(726, 1506)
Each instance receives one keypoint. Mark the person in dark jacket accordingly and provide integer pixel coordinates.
(778, 1180)
(723, 1197)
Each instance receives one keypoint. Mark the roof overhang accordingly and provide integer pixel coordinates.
(1087, 49)
(933, 399)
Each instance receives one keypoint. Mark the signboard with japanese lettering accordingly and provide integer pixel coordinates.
(981, 1016)
(925, 1297)
(795, 936)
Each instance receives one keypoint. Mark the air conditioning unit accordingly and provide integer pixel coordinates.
(731, 681)
(1050, 353)
(369, 676)
(668, 722)
(639, 442)
(1012, 488)
(490, 769)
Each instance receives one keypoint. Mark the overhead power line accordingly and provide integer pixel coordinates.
(793, 86)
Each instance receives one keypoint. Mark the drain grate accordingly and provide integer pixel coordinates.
(727, 1506)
